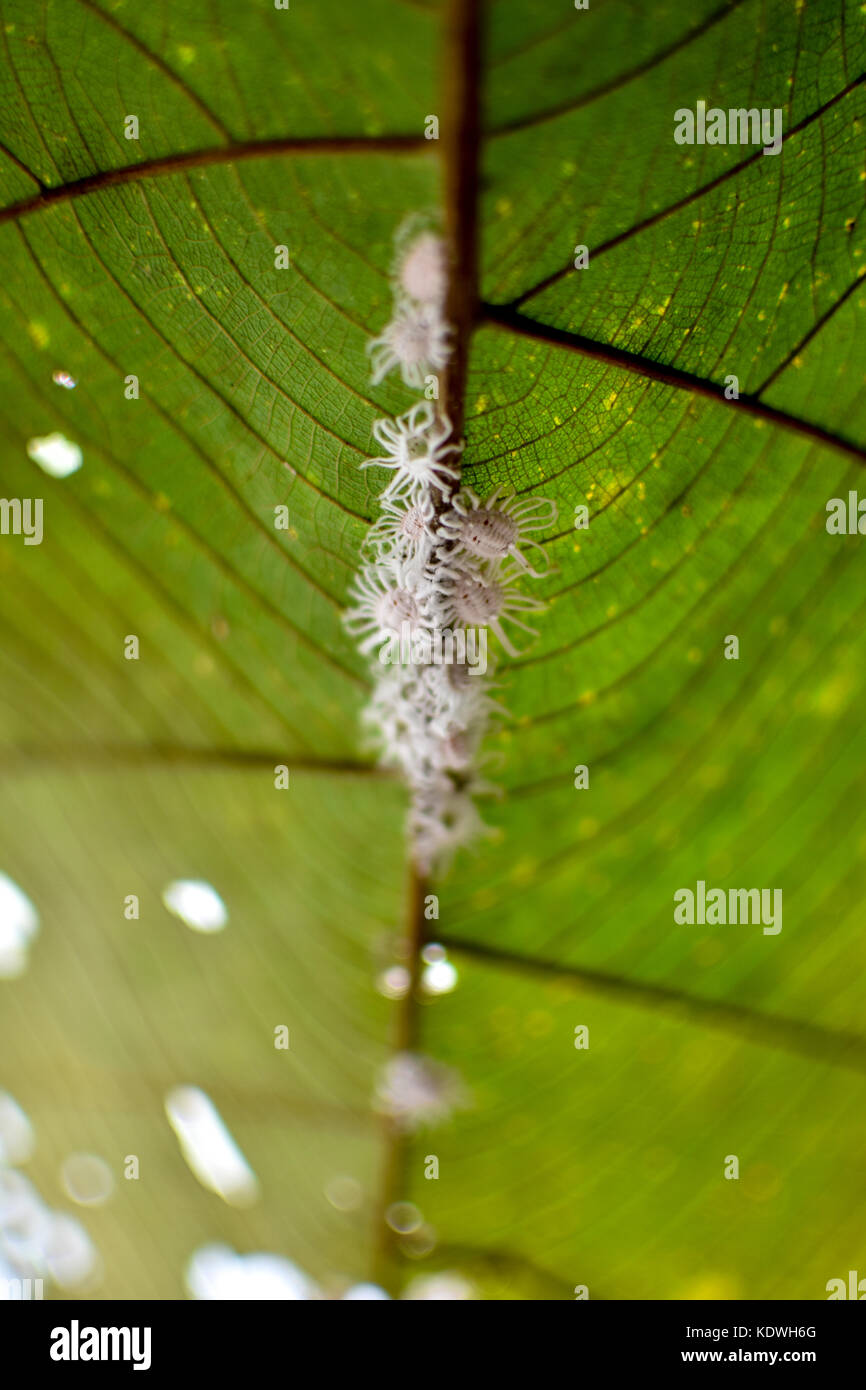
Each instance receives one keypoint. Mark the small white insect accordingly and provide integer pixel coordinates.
(417, 1092)
(442, 819)
(416, 341)
(422, 271)
(440, 569)
(397, 718)
(405, 530)
(385, 598)
(488, 600)
(462, 699)
(415, 447)
(499, 527)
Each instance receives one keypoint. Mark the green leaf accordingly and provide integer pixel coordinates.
(156, 259)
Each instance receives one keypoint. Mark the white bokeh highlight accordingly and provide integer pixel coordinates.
(196, 903)
(55, 454)
(209, 1148)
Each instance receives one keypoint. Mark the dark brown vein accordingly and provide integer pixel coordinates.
(26, 758)
(460, 154)
(404, 1038)
(13, 159)
(506, 317)
(807, 338)
(155, 61)
(810, 1040)
(688, 199)
(622, 79)
(222, 154)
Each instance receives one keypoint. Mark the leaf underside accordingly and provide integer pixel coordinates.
(602, 387)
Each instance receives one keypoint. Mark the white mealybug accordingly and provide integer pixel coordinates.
(499, 527)
(487, 600)
(404, 530)
(417, 1092)
(422, 273)
(385, 598)
(416, 341)
(415, 448)
(442, 569)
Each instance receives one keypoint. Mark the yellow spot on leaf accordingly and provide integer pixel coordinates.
(712, 1286)
(524, 871)
(833, 696)
(483, 899)
(539, 1023)
(38, 334)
